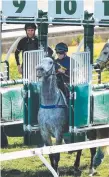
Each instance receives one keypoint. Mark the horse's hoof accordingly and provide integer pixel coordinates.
(58, 172)
(77, 169)
(92, 172)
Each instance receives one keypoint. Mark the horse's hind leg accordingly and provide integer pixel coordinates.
(93, 152)
(77, 161)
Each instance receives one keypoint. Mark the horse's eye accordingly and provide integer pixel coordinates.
(105, 53)
(51, 62)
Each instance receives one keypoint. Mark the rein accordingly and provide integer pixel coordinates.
(104, 62)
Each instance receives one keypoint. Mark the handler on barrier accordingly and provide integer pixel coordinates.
(30, 42)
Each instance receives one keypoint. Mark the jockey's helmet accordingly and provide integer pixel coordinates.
(29, 26)
(61, 48)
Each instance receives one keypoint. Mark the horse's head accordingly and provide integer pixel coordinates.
(46, 68)
(103, 59)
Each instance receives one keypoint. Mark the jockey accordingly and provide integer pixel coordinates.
(62, 67)
(30, 42)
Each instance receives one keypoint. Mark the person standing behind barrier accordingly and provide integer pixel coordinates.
(30, 42)
(62, 67)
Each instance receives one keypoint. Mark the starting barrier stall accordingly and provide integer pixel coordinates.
(11, 103)
(11, 108)
(31, 97)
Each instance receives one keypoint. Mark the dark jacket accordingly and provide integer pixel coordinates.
(25, 44)
(63, 78)
(65, 64)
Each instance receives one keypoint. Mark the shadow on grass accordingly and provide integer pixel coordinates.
(17, 173)
(20, 145)
(63, 171)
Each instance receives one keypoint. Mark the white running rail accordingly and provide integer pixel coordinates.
(54, 149)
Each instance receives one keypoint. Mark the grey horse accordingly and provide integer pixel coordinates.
(101, 63)
(103, 59)
(53, 112)
(52, 115)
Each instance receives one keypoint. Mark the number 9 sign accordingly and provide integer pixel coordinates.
(20, 8)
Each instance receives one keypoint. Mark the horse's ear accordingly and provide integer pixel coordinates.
(106, 45)
(53, 59)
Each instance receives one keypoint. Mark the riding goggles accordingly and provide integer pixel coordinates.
(60, 52)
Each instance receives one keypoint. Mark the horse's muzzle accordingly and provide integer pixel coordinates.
(96, 66)
(39, 71)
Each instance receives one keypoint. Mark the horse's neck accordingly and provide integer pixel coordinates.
(49, 91)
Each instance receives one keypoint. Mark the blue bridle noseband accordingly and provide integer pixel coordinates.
(52, 106)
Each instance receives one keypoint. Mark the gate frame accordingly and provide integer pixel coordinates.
(88, 40)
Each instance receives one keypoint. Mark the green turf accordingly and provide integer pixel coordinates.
(33, 167)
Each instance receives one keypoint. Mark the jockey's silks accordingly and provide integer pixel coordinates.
(65, 63)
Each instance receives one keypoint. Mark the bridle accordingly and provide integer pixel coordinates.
(104, 62)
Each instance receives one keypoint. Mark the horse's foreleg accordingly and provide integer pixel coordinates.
(56, 161)
(57, 155)
(51, 156)
(48, 142)
(77, 161)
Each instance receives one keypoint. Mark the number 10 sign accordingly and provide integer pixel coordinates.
(20, 8)
(65, 9)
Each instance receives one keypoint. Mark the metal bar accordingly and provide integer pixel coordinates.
(31, 60)
(83, 129)
(100, 86)
(80, 68)
(0, 40)
(61, 22)
(54, 149)
(6, 70)
(10, 82)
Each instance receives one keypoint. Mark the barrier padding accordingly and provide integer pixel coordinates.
(11, 103)
(81, 105)
(100, 107)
